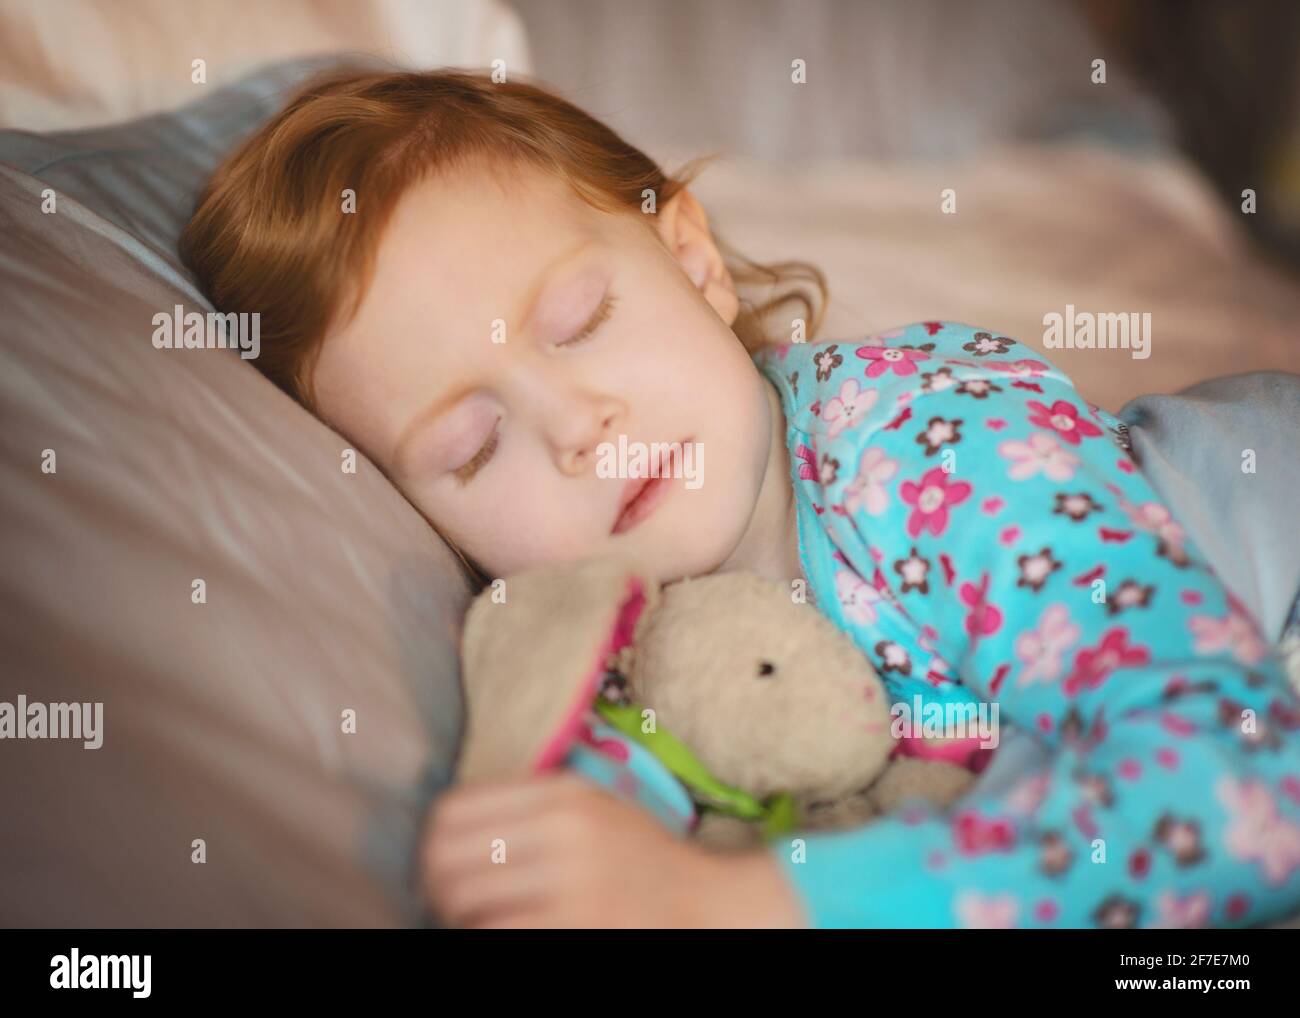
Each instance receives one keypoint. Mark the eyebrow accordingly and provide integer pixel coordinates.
(531, 303)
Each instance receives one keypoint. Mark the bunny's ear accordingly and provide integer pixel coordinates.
(533, 653)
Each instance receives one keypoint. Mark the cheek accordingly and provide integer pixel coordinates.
(721, 378)
(689, 366)
(702, 349)
(482, 529)
(491, 521)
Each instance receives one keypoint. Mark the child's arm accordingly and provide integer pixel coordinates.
(1173, 793)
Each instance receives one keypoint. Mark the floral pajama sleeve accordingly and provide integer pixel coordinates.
(982, 533)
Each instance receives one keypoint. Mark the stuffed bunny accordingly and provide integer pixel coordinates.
(763, 694)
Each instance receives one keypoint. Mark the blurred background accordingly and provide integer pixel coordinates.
(937, 79)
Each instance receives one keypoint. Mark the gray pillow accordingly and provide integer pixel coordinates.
(326, 595)
(1223, 454)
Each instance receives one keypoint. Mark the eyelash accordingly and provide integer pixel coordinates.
(465, 474)
(597, 320)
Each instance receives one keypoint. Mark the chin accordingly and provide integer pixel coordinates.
(710, 542)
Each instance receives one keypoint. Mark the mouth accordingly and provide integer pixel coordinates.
(643, 495)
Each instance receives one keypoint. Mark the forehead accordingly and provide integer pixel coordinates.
(483, 233)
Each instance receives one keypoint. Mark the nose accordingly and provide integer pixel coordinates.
(577, 428)
(572, 415)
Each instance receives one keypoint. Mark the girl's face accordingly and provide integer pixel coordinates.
(511, 330)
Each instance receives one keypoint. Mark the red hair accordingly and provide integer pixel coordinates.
(268, 234)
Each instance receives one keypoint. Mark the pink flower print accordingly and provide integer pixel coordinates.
(1116, 913)
(1039, 453)
(901, 360)
(1258, 832)
(1236, 633)
(849, 407)
(857, 597)
(1097, 789)
(1093, 665)
(914, 574)
(983, 619)
(940, 432)
(900, 420)
(1237, 906)
(931, 499)
(1063, 418)
(986, 343)
(1130, 594)
(868, 490)
(1046, 911)
(1026, 367)
(1028, 793)
(975, 834)
(939, 674)
(827, 361)
(977, 388)
(937, 381)
(977, 911)
(1075, 506)
(807, 463)
(1175, 913)
(1155, 518)
(893, 658)
(1041, 649)
(1035, 568)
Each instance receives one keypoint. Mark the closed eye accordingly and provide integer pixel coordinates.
(597, 320)
(464, 474)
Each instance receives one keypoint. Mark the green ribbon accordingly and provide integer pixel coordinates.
(777, 814)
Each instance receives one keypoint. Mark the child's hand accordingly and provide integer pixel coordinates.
(577, 856)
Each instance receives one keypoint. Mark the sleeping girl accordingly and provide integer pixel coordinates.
(483, 288)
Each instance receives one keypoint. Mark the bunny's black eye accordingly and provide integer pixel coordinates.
(766, 668)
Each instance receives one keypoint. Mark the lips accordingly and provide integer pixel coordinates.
(642, 495)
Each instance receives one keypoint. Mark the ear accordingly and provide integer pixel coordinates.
(684, 228)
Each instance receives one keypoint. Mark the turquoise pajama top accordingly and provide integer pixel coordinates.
(984, 536)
